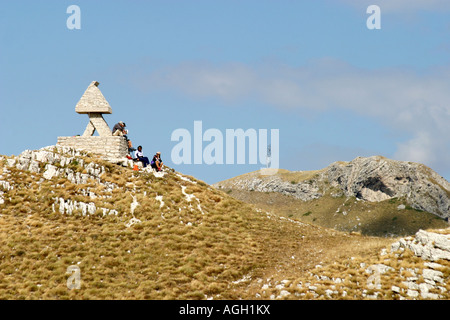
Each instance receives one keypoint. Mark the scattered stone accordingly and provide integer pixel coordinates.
(433, 265)
(132, 222)
(428, 245)
(396, 289)
(379, 268)
(50, 171)
(283, 293)
(433, 275)
(412, 293)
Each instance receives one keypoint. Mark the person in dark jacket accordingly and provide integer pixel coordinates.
(157, 162)
(119, 129)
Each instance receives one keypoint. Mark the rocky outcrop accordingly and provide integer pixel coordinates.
(67, 162)
(377, 179)
(83, 208)
(372, 179)
(58, 162)
(427, 245)
(394, 276)
(432, 247)
(254, 182)
(75, 166)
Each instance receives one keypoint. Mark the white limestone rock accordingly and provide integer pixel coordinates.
(428, 245)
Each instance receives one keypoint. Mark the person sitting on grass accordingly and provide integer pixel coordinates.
(140, 157)
(157, 162)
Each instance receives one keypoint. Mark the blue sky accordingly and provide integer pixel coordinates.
(312, 69)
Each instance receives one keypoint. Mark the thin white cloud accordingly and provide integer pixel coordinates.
(422, 148)
(414, 103)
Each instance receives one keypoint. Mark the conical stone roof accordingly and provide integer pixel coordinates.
(93, 101)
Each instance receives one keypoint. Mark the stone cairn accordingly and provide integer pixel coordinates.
(94, 104)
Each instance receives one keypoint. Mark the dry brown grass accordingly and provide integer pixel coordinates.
(160, 258)
(346, 214)
(224, 251)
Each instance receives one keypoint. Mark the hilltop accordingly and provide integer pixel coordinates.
(147, 235)
(373, 195)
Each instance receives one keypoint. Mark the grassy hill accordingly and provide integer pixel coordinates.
(137, 235)
(346, 214)
(333, 209)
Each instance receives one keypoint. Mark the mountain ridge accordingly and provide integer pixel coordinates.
(373, 195)
(372, 179)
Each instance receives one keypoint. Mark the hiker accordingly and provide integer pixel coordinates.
(157, 162)
(119, 129)
(140, 157)
(129, 143)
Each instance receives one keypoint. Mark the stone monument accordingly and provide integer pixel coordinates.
(94, 104)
